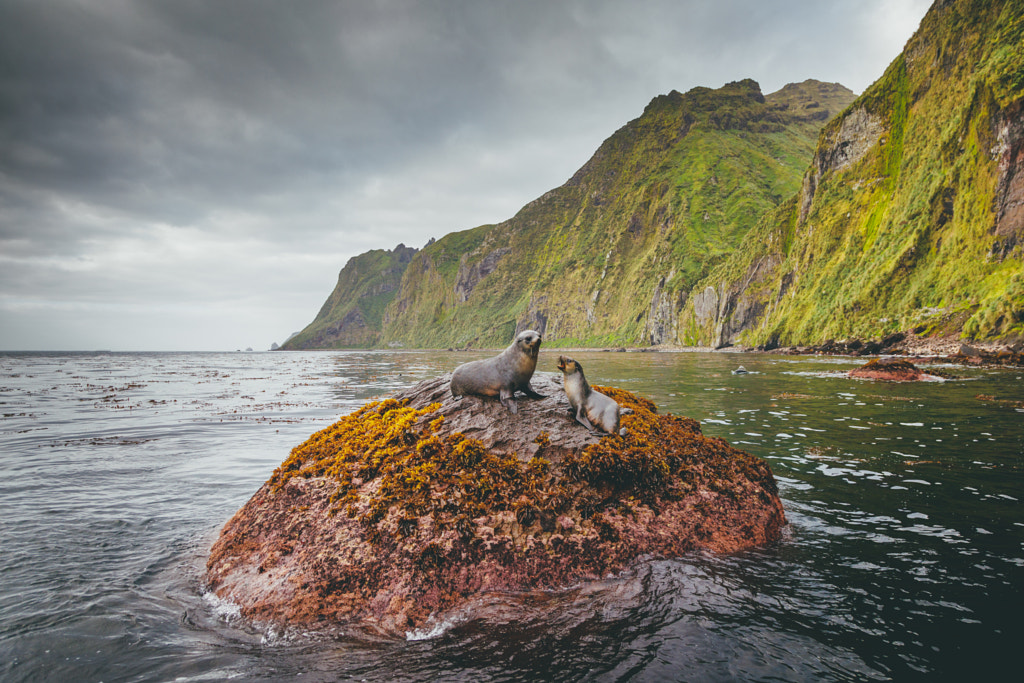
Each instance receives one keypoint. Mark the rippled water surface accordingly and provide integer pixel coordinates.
(903, 558)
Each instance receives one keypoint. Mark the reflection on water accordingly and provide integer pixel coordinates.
(904, 556)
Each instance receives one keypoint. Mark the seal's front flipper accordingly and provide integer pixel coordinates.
(582, 419)
(505, 396)
(531, 393)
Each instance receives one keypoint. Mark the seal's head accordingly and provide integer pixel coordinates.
(567, 365)
(529, 342)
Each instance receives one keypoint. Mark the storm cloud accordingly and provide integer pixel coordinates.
(193, 174)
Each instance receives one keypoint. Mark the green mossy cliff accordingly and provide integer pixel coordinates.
(911, 215)
(603, 258)
(724, 216)
(351, 316)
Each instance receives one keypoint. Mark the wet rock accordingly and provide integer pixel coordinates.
(414, 505)
(969, 351)
(889, 370)
(891, 341)
(868, 348)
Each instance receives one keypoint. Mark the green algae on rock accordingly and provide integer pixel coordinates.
(411, 506)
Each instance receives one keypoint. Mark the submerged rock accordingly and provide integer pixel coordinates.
(413, 505)
(891, 370)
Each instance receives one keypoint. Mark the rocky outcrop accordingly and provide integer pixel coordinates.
(738, 307)
(1009, 155)
(847, 145)
(411, 506)
(917, 349)
(705, 305)
(536, 315)
(351, 330)
(470, 275)
(351, 316)
(663, 317)
(890, 370)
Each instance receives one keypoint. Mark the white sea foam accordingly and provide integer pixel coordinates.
(434, 628)
(224, 609)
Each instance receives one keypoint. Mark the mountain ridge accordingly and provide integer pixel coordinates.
(909, 216)
(684, 179)
(724, 216)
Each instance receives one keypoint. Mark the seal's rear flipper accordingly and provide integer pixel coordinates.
(531, 393)
(506, 399)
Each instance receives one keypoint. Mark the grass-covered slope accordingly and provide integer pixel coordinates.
(352, 314)
(609, 257)
(911, 214)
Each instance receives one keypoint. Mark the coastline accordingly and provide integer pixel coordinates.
(944, 349)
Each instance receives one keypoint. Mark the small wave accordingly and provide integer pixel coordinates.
(434, 628)
(824, 374)
(269, 633)
(224, 609)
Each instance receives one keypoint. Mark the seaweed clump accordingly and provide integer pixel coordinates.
(451, 478)
(661, 457)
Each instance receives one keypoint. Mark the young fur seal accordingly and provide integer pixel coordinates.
(503, 375)
(592, 407)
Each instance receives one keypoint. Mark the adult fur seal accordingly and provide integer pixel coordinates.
(593, 409)
(503, 375)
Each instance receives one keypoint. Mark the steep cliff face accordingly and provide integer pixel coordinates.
(610, 257)
(352, 315)
(911, 214)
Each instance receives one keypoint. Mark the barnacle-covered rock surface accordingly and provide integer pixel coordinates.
(413, 505)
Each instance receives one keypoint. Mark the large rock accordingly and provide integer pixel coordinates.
(411, 506)
(890, 370)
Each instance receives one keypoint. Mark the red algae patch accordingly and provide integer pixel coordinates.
(395, 512)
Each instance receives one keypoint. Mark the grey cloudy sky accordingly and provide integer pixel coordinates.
(192, 174)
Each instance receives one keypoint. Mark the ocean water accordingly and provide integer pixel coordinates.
(903, 558)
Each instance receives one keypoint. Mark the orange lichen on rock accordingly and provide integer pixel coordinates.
(390, 514)
(451, 478)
